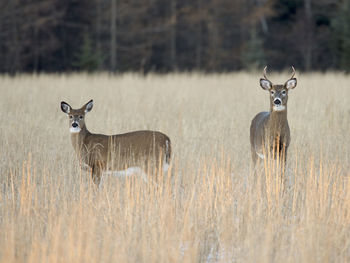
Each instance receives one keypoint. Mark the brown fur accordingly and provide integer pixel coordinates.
(269, 131)
(144, 149)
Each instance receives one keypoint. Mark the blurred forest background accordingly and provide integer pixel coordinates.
(173, 35)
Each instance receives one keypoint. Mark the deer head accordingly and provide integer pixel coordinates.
(76, 116)
(278, 93)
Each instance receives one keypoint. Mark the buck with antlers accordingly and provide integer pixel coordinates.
(269, 131)
(146, 150)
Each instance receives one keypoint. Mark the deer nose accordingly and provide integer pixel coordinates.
(277, 101)
(74, 124)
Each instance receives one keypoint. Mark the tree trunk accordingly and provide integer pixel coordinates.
(263, 21)
(199, 38)
(309, 36)
(173, 65)
(98, 32)
(36, 49)
(113, 45)
(214, 40)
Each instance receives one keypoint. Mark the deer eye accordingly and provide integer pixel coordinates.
(81, 117)
(272, 92)
(70, 117)
(284, 92)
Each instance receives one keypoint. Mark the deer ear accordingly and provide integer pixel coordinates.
(265, 84)
(88, 106)
(291, 84)
(65, 107)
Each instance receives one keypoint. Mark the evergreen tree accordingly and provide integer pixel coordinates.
(341, 35)
(87, 59)
(253, 57)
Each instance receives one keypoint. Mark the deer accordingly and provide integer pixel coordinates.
(269, 130)
(102, 153)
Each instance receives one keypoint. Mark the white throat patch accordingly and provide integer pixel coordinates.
(74, 129)
(279, 108)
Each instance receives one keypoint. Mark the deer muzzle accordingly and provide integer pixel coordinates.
(74, 128)
(277, 102)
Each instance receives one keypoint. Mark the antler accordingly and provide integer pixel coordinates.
(293, 72)
(265, 72)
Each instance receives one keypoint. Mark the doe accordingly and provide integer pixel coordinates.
(269, 131)
(145, 150)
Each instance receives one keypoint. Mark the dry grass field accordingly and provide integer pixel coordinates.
(213, 208)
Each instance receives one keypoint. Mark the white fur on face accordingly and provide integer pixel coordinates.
(74, 129)
(279, 108)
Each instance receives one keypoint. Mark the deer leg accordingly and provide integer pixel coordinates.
(285, 177)
(253, 155)
(96, 174)
(283, 155)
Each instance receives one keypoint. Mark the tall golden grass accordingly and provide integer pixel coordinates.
(215, 207)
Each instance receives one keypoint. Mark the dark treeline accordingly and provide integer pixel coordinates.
(181, 35)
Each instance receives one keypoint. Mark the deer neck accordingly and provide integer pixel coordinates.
(278, 120)
(78, 139)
